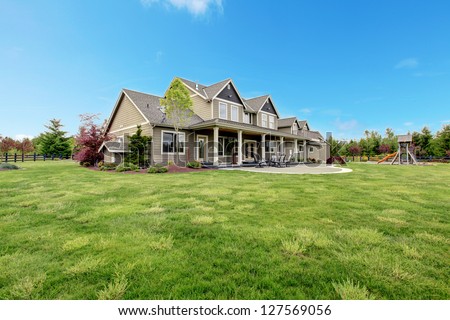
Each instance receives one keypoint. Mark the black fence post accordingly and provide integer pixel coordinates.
(60, 156)
(44, 156)
(53, 156)
(34, 157)
(15, 157)
(23, 157)
(6, 157)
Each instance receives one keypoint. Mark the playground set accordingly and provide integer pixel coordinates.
(405, 154)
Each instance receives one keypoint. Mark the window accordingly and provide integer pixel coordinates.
(311, 149)
(271, 146)
(173, 142)
(264, 120)
(294, 128)
(247, 118)
(234, 113)
(271, 122)
(222, 110)
(226, 146)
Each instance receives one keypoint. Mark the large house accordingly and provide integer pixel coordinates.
(226, 129)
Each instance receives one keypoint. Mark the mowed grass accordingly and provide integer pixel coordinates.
(381, 232)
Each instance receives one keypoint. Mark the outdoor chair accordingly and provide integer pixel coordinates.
(273, 162)
(286, 161)
(259, 162)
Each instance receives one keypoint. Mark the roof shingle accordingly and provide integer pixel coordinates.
(150, 106)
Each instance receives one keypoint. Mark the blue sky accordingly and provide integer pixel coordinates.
(345, 66)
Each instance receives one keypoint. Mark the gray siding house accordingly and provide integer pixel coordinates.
(226, 129)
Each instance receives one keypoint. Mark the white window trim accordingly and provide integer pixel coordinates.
(246, 114)
(174, 132)
(264, 120)
(237, 113)
(226, 110)
(271, 122)
(311, 149)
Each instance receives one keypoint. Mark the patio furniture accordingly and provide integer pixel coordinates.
(259, 162)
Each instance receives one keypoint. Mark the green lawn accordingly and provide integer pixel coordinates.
(381, 232)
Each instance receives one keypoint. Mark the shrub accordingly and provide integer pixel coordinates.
(85, 164)
(125, 166)
(100, 164)
(8, 166)
(194, 165)
(157, 168)
(108, 166)
(336, 160)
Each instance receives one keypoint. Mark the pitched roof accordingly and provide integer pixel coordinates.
(314, 135)
(286, 122)
(257, 102)
(302, 123)
(193, 85)
(404, 138)
(151, 108)
(215, 88)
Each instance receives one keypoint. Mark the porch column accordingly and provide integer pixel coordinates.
(282, 145)
(295, 149)
(263, 147)
(239, 160)
(216, 146)
(305, 152)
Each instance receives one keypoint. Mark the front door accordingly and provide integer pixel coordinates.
(249, 149)
(202, 142)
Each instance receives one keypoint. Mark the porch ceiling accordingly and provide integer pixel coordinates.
(246, 128)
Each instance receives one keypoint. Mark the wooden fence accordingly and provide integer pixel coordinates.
(14, 157)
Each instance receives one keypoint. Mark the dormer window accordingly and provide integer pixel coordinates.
(222, 110)
(264, 120)
(271, 122)
(234, 113)
(294, 128)
(247, 118)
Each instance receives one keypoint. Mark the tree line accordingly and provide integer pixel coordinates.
(424, 143)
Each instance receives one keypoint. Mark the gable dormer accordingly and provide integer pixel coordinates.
(229, 93)
(227, 102)
(268, 107)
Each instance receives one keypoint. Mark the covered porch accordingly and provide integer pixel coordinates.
(222, 143)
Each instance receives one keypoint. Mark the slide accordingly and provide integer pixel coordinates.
(387, 157)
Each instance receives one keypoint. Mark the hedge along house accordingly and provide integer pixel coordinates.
(225, 129)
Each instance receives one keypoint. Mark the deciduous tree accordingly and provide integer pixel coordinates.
(89, 139)
(24, 146)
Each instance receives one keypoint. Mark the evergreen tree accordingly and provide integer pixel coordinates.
(54, 141)
(442, 141)
(423, 142)
(138, 146)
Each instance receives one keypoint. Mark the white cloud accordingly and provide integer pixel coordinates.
(445, 121)
(428, 74)
(20, 137)
(409, 63)
(306, 110)
(195, 7)
(345, 125)
(408, 124)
